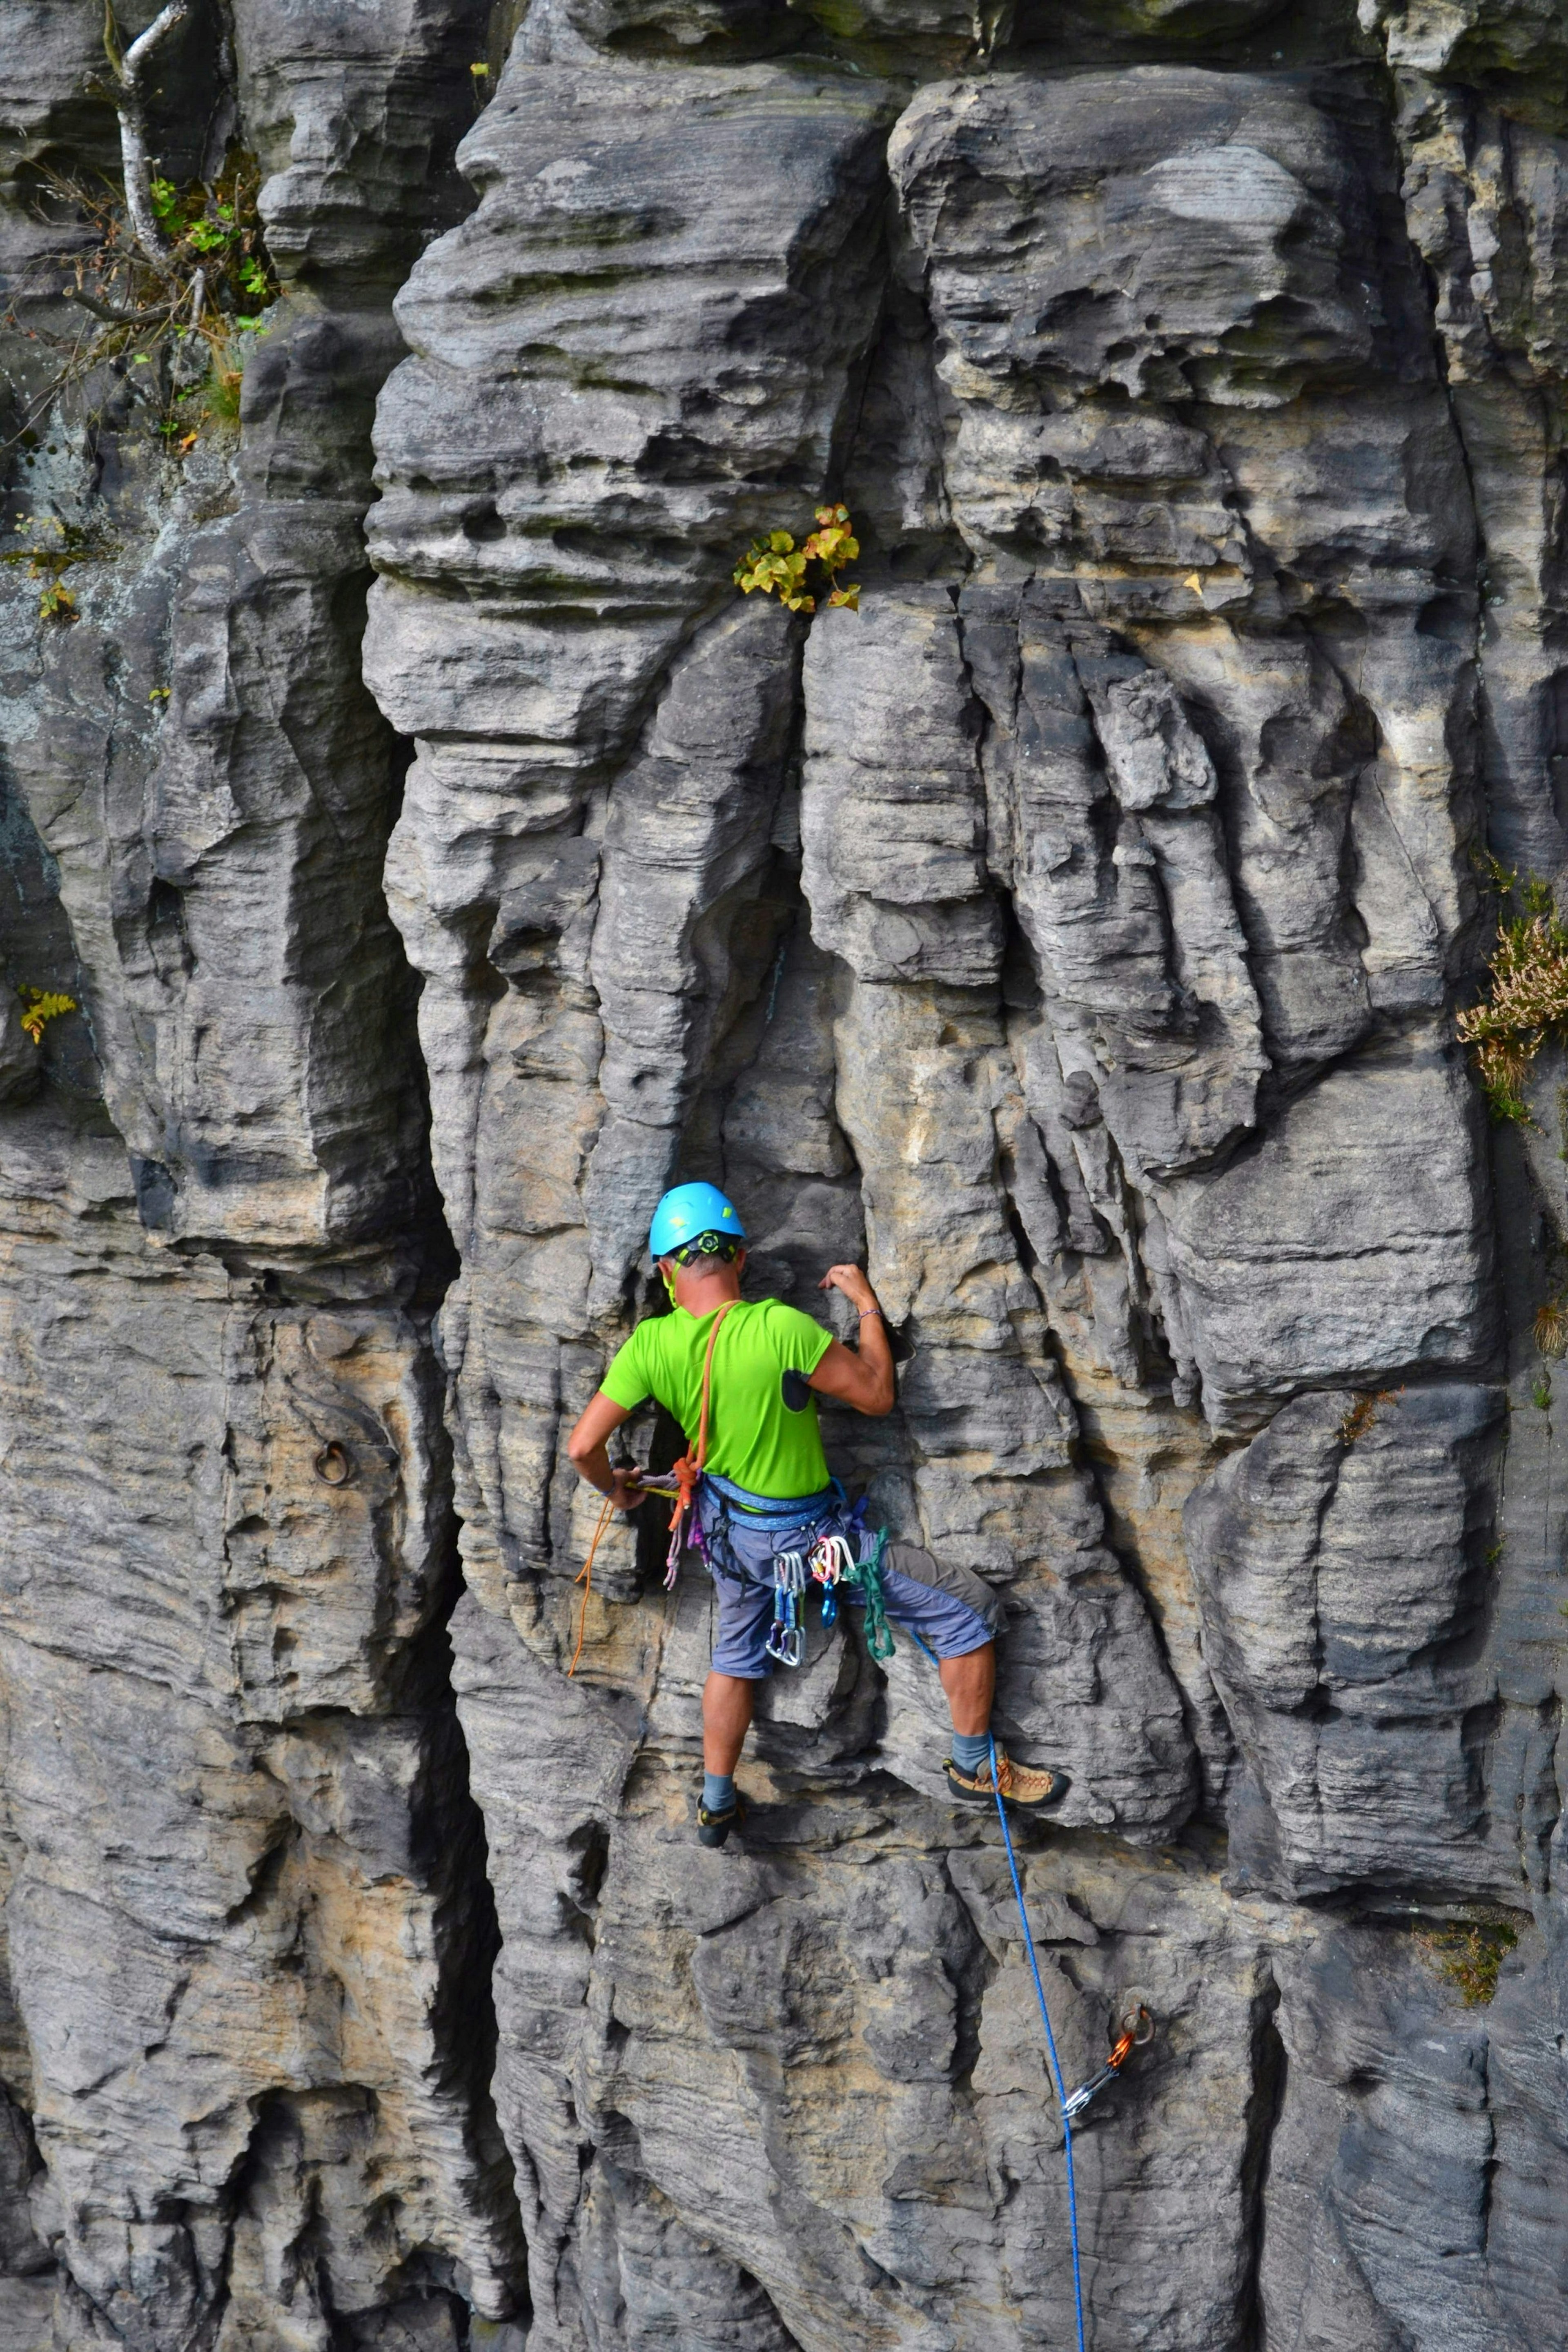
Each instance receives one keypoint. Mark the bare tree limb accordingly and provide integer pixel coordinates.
(130, 105)
(117, 318)
(142, 47)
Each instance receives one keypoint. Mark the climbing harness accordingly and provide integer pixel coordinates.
(838, 1548)
(1050, 2043)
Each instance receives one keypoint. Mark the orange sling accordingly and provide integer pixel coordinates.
(685, 1472)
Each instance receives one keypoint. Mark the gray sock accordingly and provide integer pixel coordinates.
(970, 1750)
(717, 1791)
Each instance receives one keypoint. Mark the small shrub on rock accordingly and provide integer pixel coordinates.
(1526, 1001)
(778, 568)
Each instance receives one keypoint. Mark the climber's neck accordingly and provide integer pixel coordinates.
(701, 1290)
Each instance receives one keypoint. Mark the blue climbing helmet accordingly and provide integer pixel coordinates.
(695, 1220)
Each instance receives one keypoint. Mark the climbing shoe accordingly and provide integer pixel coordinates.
(713, 1828)
(1021, 1785)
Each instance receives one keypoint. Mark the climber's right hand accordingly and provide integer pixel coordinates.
(626, 1489)
(587, 1450)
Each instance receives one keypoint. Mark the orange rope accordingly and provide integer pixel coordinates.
(687, 1471)
(585, 1577)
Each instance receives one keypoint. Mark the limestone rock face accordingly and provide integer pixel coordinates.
(438, 857)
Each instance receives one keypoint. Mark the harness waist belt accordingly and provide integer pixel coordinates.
(767, 1512)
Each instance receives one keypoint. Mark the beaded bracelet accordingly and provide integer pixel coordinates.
(868, 1310)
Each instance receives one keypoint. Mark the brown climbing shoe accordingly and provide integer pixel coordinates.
(713, 1828)
(1022, 1785)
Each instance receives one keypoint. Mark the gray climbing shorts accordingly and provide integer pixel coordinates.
(950, 1609)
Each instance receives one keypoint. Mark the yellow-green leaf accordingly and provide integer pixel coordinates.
(40, 1007)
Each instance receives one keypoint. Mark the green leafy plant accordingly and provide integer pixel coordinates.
(777, 567)
(1540, 1394)
(1469, 1956)
(40, 1007)
(55, 545)
(218, 230)
(1527, 996)
(170, 301)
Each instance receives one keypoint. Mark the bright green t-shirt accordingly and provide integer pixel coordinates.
(754, 1437)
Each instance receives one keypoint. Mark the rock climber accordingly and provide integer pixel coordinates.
(764, 1496)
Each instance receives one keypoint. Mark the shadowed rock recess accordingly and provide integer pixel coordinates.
(444, 858)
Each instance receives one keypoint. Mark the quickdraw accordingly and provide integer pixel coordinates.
(786, 1636)
(1137, 2028)
(831, 1558)
(829, 1561)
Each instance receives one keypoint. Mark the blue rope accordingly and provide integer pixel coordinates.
(1050, 2043)
(1045, 2019)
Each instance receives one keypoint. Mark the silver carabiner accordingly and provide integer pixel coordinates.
(789, 1571)
(785, 1643)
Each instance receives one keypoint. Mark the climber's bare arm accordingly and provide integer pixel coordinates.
(864, 1381)
(588, 1447)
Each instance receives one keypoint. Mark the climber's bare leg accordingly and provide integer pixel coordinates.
(970, 1683)
(727, 1703)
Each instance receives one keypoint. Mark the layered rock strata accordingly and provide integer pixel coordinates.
(247, 1899)
(1073, 932)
